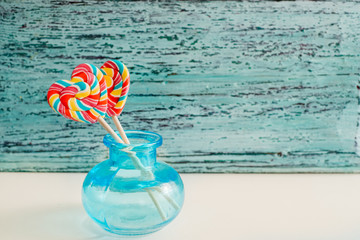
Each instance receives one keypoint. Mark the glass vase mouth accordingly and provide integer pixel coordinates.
(138, 139)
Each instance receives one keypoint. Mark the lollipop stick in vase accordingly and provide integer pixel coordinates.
(157, 205)
(145, 172)
(135, 159)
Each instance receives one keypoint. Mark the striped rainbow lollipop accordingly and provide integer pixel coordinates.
(118, 82)
(84, 98)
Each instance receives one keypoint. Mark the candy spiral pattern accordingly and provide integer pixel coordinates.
(118, 82)
(83, 98)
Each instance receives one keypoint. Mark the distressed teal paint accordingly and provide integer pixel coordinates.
(231, 86)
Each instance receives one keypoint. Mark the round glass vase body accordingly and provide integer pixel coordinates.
(131, 193)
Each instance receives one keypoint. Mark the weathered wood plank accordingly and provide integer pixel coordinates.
(231, 86)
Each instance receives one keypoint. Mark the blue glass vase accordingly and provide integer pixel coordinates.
(131, 193)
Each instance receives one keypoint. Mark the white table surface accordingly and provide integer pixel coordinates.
(225, 206)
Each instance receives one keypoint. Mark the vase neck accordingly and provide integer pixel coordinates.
(129, 158)
(141, 153)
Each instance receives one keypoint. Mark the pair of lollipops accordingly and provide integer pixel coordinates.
(93, 94)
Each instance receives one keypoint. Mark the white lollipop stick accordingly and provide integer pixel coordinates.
(107, 127)
(169, 199)
(120, 129)
(157, 205)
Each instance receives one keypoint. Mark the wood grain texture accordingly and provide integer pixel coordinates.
(231, 86)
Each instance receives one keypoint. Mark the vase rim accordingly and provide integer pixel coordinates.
(154, 140)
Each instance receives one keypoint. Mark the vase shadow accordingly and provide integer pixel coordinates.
(55, 222)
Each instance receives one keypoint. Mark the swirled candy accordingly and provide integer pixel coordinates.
(83, 98)
(118, 82)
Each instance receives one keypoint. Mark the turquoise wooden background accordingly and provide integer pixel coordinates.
(231, 86)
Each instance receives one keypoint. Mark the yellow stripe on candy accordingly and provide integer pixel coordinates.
(95, 113)
(52, 99)
(99, 75)
(120, 103)
(76, 79)
(116, 92)
(73, 105)
(125, 73)
(73, 115)
(81, 95)
(103, 97)
(84, 93)
(109, 72)
(108, 80)
(96, 90)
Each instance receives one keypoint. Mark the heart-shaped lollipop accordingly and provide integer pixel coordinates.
(83, 98)
(117, 79)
